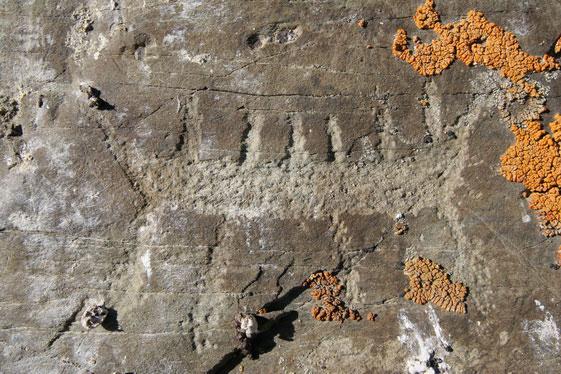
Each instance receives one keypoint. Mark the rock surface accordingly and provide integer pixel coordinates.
(222, 151)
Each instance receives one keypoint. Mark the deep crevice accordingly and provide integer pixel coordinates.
(66, 325)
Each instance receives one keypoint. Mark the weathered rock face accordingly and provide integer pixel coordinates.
(188, 160)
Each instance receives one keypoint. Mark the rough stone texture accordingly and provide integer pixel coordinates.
(240, 146)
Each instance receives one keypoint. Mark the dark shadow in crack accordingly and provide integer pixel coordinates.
(283, 301)
(282, 327)
(228, 362)
(104, 105)
(111, 322)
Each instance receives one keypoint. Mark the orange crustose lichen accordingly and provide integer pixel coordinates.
(429, 282)
(535, 160)
(326, 287)
(473, 40)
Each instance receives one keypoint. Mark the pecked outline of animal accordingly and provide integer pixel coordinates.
(473, 40)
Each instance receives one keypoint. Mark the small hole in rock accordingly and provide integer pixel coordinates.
(451, 134)
(427, 139)
(253, 41)
(16, 131)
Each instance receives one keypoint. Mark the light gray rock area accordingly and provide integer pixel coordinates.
(169, 167)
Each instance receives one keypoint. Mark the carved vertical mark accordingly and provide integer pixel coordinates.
(253, 142)
(334, 141)
(244, 140)
(388, 131)
(330, 155)
(183, 134)
(194, 130)
(298, 140)
(289, 148)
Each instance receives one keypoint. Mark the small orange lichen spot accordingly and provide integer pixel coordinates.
(354, 315)
(513, 90)
(262, 311)
(535, 160)
(362, 23)
(325, 287)
(400, 227)
(424, 102)
(558, 46)
(371, 316)
(473, 40)
(429, 282)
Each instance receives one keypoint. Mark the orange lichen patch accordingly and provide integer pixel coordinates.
(400, 227)
(558, 46)
(361, 23)
(429, 282)
(326, 287)
(262, 311)
(548, 206)
(371, 316)
(535, 161)
(473, 40)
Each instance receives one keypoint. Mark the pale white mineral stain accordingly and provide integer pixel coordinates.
(175, 36)
(145, 258)
(426, 350)
(436, 326)
(200, 59)
(102, 42)
(539, 305)
(544, 335)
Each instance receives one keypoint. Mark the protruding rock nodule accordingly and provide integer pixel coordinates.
(94, 315)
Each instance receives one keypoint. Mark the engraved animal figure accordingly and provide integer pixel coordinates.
(473, 40)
